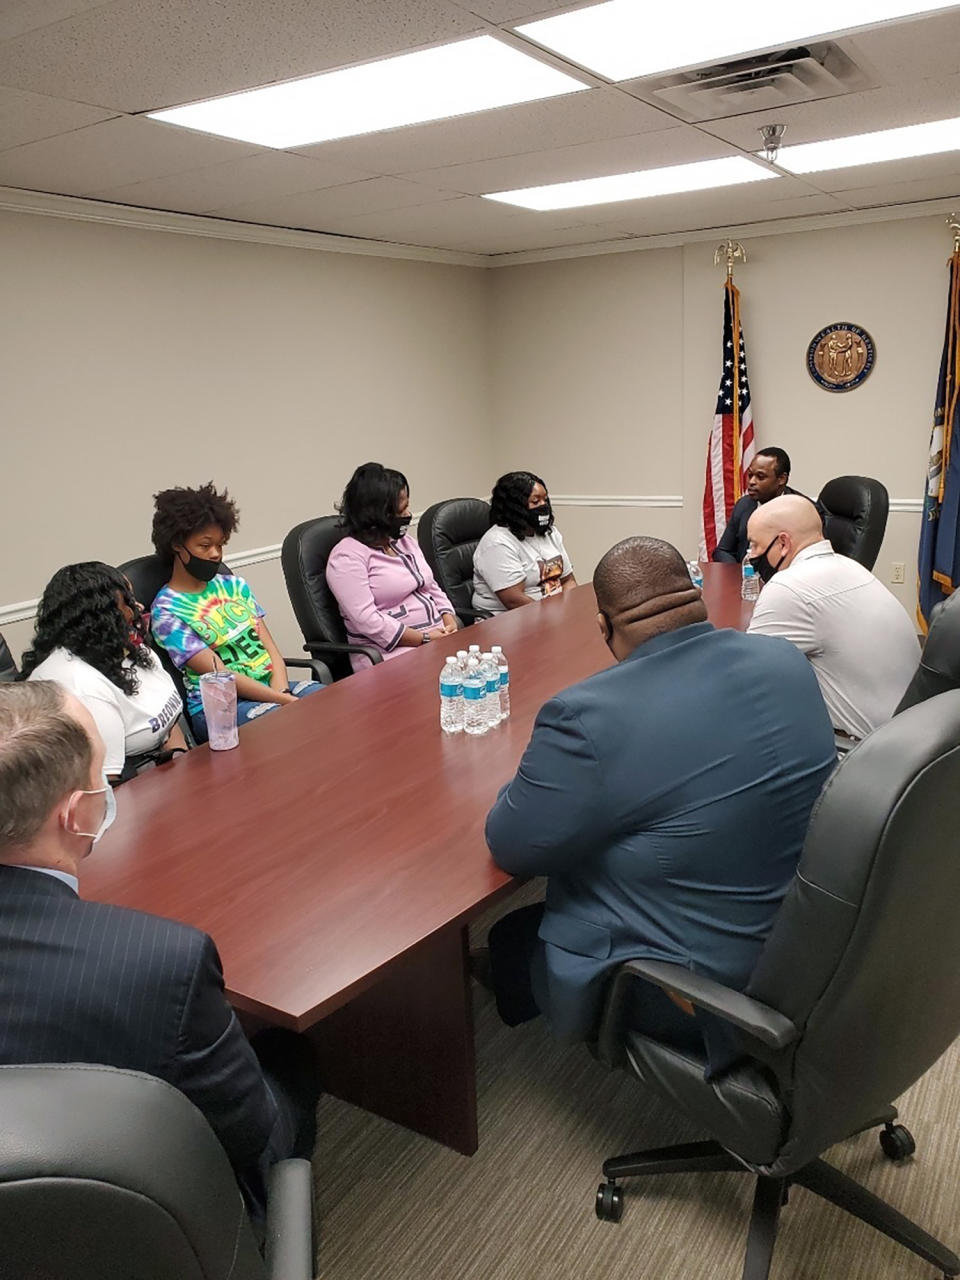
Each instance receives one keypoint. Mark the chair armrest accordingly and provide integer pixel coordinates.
(321, 671)
(767, 1025)
(473, 615)
(288, 1239)
(313, 647)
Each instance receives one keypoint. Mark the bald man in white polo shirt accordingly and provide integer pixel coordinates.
(858, 638)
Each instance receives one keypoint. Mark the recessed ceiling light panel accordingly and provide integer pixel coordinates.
(872, 148)
(432, 84)
(676, 179)
(624, 39)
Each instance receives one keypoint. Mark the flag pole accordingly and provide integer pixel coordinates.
(729, 250)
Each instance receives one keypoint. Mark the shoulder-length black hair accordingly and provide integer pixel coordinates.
(79, 612)
(180, 513)
(508, 502)
(370, 502)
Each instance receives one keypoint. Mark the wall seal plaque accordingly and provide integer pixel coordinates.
(841, 357)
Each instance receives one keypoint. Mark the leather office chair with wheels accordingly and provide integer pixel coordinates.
(8, 668)
(939, 668)
(854, 511)
(147, 575)
(855, 995)
(448, 534)
(114, 1175)
(306, 550)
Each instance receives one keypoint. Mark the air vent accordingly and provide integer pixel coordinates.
(759, 84)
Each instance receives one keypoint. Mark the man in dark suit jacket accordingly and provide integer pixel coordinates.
(767, 478)
(86, 982)
(666, 798)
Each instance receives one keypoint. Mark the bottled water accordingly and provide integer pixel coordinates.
(474, 698)
(462, 659)
(750, 583)
(451, 697)
(695, 572)
(504, 670)
(491, 671)
(474, 652)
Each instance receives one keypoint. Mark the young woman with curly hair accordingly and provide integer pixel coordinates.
(386, 591)
(208, 619)
(521, 558)
(90, 640)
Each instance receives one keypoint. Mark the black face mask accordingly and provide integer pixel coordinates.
(398, 526)
(539, 518)
(766, 570)
(202, 570)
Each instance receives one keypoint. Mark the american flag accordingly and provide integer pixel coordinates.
(731, 448)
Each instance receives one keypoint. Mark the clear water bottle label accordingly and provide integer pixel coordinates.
(474, 693)
(504, 678)
(450, 690)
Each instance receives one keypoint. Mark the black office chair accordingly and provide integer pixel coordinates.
(147, 575)
(939, 668)
(855, 995)
(306, 550)
(448, 534)
(854, 511)
(114, 1175)
(8, 668)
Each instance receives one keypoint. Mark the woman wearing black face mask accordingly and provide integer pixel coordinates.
(521, 558)
(386, 591)
(208, 619)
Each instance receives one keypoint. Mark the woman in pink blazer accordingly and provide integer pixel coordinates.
(386, 591)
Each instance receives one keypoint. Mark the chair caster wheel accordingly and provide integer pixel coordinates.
(897, 1142)
(609, 1202)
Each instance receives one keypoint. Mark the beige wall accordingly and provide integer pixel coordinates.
(605, 372)
(132, 360)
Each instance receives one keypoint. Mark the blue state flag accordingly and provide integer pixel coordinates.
(938, 561)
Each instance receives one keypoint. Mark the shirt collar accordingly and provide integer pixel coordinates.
(65, 876)
(670, 638)
(821, 548)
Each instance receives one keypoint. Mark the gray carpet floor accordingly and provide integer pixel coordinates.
(394, 1206)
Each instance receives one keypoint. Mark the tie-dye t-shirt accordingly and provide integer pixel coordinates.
(222, 617)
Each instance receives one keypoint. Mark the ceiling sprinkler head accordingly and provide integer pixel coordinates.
(772, 135)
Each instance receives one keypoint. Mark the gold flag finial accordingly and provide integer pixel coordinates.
(728, 251)
(953, 222)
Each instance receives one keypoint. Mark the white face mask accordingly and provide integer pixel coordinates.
(109, 812)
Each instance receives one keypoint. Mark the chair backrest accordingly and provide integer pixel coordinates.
(304, 555)
(448, 533)
(939, 668)
(113, 1175)
(862, 955)
(854, 511)
(8, 668)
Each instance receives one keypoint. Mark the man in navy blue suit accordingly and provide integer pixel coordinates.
(86, 982)
(666, 798)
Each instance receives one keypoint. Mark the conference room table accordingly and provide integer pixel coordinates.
(337, 857)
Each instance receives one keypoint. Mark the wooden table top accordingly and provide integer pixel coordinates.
(347, 828)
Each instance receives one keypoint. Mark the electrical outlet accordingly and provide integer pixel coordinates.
(896, 571)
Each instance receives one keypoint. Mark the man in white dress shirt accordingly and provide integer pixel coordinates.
(858, 638)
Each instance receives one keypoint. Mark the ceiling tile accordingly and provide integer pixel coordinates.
(678, 145)
(511, 241)
(925, 47)
(314, 210)
(514, 11)
(18, 16)
(884, 108)
(945, 187)
(28, 117)
(140, 55)
(252, 178)
(110, 154)
(702, 209)
(530, 126)
(921, 168)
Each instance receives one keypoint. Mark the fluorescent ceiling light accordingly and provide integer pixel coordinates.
(872, 148)
(623, 39)
(700, 176)
(451, 80)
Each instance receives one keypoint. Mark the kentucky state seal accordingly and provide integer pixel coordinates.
(841, 357)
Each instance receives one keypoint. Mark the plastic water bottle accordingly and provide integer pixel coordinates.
(474, 698)
(504, 670)
(750, 583)
(451, 697)
(695, 572)
(462, 659)
(491, 670)
(474, 652)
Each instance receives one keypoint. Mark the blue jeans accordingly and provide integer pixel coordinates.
(248, 710)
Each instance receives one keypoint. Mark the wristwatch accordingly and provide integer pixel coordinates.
(425, 637)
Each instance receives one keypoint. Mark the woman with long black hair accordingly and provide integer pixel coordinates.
(521, 558)
(91, 639)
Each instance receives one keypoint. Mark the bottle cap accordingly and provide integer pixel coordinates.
(449, 660)
(495, 648)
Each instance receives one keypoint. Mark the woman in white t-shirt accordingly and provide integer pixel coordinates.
(90, 639)
(521, 558)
